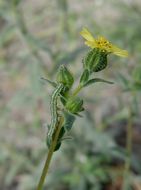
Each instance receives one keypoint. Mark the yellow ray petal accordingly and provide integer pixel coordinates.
(119, 52)
(87, 35)
(91, 44)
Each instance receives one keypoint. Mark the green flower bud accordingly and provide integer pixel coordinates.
(95, 60)
(74, 105)
(85, 77)
(64, 76)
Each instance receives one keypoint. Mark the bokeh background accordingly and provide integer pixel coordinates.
(35, 38)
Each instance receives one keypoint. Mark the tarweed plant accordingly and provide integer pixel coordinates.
(66, 104)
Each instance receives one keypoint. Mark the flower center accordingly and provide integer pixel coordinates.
(102, 43)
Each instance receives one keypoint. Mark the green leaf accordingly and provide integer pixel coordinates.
(50, 82)
(84, 77)
(58, 145)
(69, 120)
(91, 81)
(61, 134)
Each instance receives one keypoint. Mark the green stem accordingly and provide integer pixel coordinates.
(49, 156)
(77, 90)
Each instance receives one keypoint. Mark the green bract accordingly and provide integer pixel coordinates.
(95, 60)
(64, 76)
(74, 105)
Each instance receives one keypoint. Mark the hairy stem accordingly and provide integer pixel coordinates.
(77, 90)
(49, 156)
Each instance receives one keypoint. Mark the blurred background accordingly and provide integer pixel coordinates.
(35, 38)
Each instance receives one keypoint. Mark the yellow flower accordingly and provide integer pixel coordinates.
(102, 44)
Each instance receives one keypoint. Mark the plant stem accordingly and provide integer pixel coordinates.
(49, 156)
(77, 90)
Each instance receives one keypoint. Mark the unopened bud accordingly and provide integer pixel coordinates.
(95, 60)
(64, 76)
(74, 105)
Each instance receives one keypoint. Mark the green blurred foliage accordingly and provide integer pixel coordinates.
(35, 38)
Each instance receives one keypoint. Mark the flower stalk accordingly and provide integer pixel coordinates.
(49, 155)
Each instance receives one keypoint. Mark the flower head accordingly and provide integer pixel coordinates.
(102, 44)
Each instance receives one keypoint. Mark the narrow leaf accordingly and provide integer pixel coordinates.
(91, 81)
(50, 82)
(69, 120)
(85, 77)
